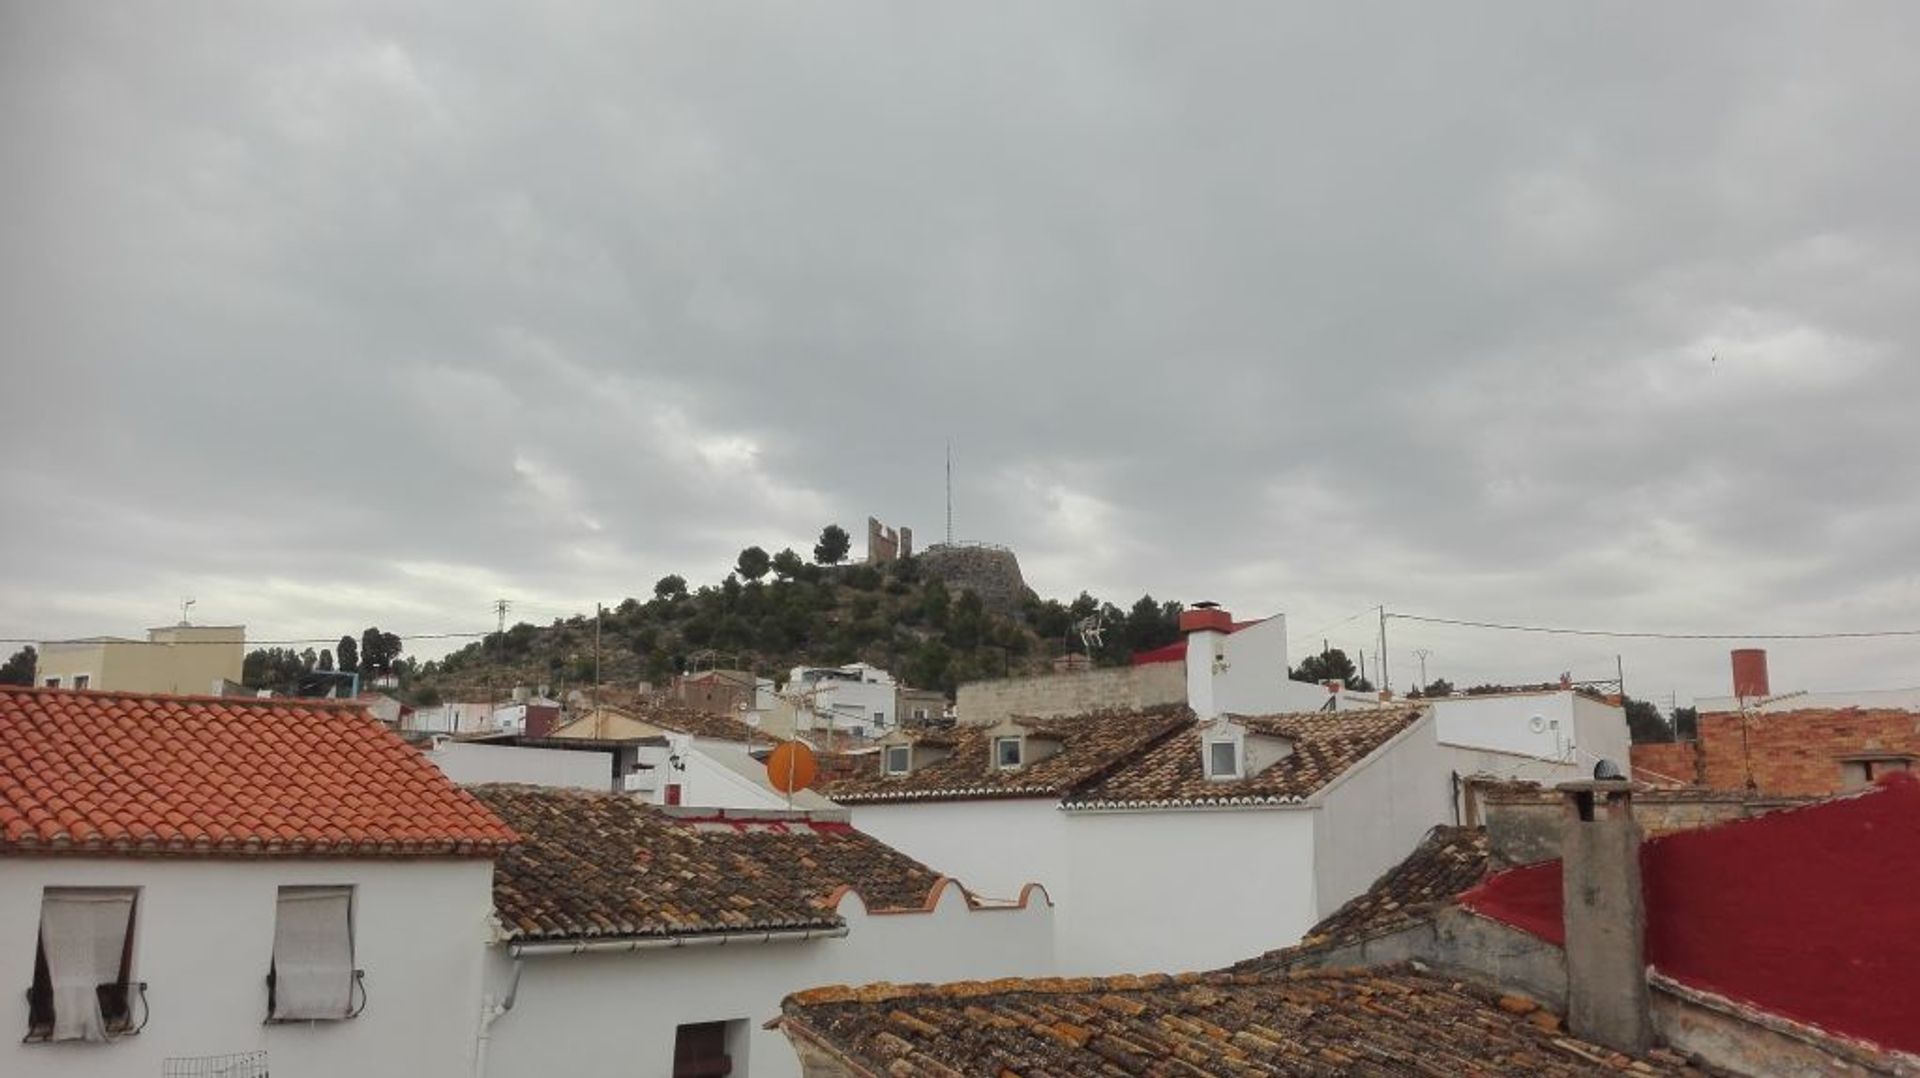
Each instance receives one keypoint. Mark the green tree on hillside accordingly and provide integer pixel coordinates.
(787, 565)
(753, 563)
(833, 545)
(19, 667)
(1331, 665)
(670, 587)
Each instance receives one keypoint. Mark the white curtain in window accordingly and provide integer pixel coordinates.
(313, 953)
(84, 933)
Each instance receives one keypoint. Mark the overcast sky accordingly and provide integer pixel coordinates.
(334, 315)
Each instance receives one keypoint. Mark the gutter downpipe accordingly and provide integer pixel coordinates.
(490, 1012)
(649, 943)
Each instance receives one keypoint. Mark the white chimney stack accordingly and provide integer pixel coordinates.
(1206, 627)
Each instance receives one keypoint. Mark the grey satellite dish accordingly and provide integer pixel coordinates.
(1607, 771)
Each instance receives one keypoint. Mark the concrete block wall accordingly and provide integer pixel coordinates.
(1115, 688)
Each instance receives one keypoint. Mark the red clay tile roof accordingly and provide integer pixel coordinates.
(1386, 1021)
(109, 772)
(1449, 861)
(598, 865)
(1090, 746)
(685, 720)
(1325, 745)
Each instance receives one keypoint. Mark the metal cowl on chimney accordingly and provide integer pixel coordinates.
(1750, 674)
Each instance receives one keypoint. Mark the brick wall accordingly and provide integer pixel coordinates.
(1798, 752)
(1670, 763)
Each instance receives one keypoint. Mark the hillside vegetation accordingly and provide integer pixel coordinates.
(774, 613)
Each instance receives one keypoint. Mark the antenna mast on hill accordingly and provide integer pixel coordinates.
(949, 491)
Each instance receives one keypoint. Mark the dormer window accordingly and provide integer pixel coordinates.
(899, 759)
(1006, 752)
(1223, 759)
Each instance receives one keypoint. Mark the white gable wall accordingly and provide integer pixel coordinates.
(614, 1014)
(203, 940)
(1374, 815)
(1165, 891)
(996, 846)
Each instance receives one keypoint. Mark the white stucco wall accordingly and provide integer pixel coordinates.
(1195, 889)
(1374, 815)
(1506, 723)
(615, 1014)
(471, 763)
(996, 846)
(1603, 735)
(203, 939)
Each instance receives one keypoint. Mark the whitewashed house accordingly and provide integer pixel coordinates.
(267, 882)
(1241, 830)
(689, 757)
(637, 941)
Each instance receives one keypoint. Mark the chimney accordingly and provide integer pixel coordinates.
(1750, 674)
(1606, 916)
(1206, 627)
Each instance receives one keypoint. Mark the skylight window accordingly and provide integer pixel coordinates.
(1006, 752)
(1223, 760)
(899, 759)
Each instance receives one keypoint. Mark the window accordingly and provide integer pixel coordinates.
(1223, 760)
(81, 681)
(1861, 771)
(920, 713)
(701, 1049)
(52, 683)
(899, 759)
(82, 972)
(673, 793)
(312, 975)
(879, 718)
(1006, 751)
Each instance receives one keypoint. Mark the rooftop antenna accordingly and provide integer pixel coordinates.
(1091, 632)
(949, 491)
(185, 606)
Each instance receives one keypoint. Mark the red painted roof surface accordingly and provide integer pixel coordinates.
(109, 772)
(1808, 913)
(1177, 651)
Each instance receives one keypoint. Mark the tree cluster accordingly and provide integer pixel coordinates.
(285, 670)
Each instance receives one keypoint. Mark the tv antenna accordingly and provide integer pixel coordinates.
(186, 605)
(1091, 632)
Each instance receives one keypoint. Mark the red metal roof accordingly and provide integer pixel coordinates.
(108, 772)
(1176, 652)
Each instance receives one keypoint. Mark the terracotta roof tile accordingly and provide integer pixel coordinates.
(1389, 1020)
(105, 772)
(1090, 746)
(598, 865)
(1325, 745)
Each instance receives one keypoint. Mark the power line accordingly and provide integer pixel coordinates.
(1624, 635)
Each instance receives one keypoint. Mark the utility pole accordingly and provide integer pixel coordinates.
(597, 611)
(1422, 654)
(1620, 672)
(949, 491)
(499, 655)
(1386, 683)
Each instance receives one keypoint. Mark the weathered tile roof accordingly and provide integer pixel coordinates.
(596, 865)
(1449, 861)
(1090, 746)
(1386, 1021)
(685, 720)
(111, 772)
(1325, 745)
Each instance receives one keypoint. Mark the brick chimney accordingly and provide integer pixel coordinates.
(1206, 627)
(1606, 917)
(1750, 674)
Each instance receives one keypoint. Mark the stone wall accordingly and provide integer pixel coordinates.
(1123, 688)
(1523, 828)
(991, 572)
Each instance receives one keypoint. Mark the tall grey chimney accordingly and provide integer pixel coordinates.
(1606, 917)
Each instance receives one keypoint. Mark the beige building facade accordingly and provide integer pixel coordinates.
(187, 659)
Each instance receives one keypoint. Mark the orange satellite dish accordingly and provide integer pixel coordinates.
(791, 768)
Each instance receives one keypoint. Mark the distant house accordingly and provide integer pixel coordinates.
(1219, 665)
(191, 659)
(1791, 743)
(633, 941)
(189, 878)
(691, 757)
(717, 692)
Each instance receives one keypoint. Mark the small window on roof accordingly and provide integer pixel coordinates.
(82, 681)
(52, 683)
(1223, 760)
(899, 759)
(1866, 770)
(1006, 752)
